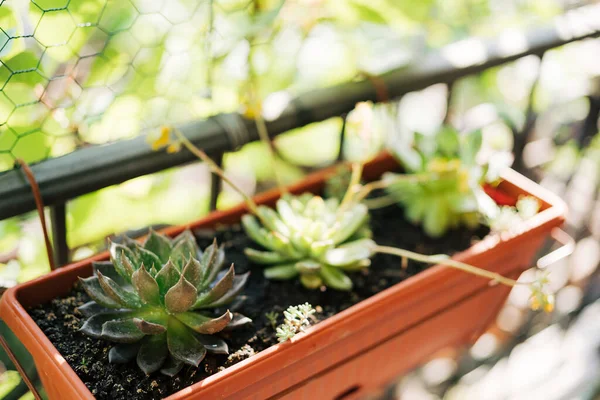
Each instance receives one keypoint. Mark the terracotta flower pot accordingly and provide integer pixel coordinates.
(346, 355)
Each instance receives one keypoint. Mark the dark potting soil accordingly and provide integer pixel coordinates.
(89, 357)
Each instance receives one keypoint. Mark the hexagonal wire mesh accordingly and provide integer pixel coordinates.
(79, 72)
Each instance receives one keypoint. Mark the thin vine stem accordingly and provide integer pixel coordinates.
(444, 260)
(379, 202)
(357, 169)
(218, 171)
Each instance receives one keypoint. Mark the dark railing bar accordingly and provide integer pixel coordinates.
(215, 184)
(58, 222)
(340, 155)
(89, 169)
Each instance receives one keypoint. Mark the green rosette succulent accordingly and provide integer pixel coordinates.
(441, 188)
(310, 238)
(154, 300)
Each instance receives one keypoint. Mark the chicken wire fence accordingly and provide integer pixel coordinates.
(81, 72)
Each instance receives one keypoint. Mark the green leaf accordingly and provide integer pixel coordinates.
(124, 260)
(117, 293)
(437, 218)
(123, 352)
(153, 353)
(171, 367)
(149, 328)
(180, 297)
(148, 259)
(471, 144)
(212, 260)
(287, 213)
(334, 278)
(184, 248)
(265, 257)
(311, 281)
(159, 245)
(239, 281)
(204, 324)
(350, 253)
(121, 331)
(146, 286)
(272, 220)
(308, 266)
(354, 218)
(93, 325)
(447, 142)
(92, 308)
(213, 344)
(256, 232)
(183, 344)
(193, 272)
(221, 287)
(281, 272)
(107, 268)
(167, 277)
(93, 289)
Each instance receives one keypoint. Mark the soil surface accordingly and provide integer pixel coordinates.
(89, 357)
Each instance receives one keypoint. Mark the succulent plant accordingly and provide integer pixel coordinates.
(296, 319)
(505, 218)
(312, 238)
(446, 188)
(152, 298)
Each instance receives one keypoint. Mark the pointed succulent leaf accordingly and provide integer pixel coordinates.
(159, 245)
(212, 261)
(167, 277)
(146, 286)
(123, 353)
(470, 147)
(221, 287)
(123, 259)
(281, 272)
(147, 258)
(193, 272)
(237, 321)
(149, 328)
(447, 141)
(93, 289)
(317, 249)
(117, 293)
(334, 278)
(153, 353)
(204, 324)
(239, 281)
(93, 325)
(272, 220)
(308, 266)
(265, 257)
(256, 232)
(181, 296)
(121, 331)
(92, 308)
(171, 367)
(107, 268)
(183, 344)
(213, 344)
(350, 253)
(311, 280)
(354, 219)
(286, 212)
(357, 266)
(184, 248)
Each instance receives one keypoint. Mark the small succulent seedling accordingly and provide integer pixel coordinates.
(154, 300)
(272, 317)
(505, 218)
(442, 184)
(297, 319)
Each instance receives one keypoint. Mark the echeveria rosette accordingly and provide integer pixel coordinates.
(311, 238)
(446, 192)
(152, 298)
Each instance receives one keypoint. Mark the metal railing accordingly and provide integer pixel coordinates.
(89, 169)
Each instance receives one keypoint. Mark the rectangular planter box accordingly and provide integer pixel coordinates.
(346, 355)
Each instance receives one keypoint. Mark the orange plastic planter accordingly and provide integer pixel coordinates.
(349, 354)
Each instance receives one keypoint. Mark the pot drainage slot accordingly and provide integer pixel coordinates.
(351, 390)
